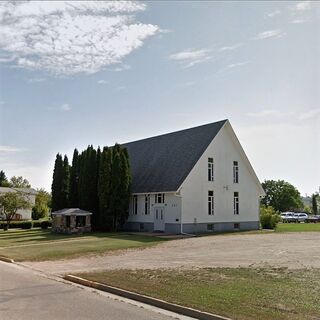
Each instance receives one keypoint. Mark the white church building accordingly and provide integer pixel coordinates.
(191, 181)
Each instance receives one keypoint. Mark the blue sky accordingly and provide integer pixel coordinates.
(73, 74)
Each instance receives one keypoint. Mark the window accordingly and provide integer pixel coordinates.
(147, 204)
(80, 221)
(235, 172)
(236, 203)
(210, 203)
(68, 221)
(210, 169)
(236, 226)
(141, 226)
(135, 205)
(210, 227)
(159, 198)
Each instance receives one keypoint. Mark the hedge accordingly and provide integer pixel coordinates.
(27, 224)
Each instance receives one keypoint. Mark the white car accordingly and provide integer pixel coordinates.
(300, 217)
(287, 217)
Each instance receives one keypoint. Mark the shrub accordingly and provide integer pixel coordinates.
(46, 224)
(269, 218)
(26, 224)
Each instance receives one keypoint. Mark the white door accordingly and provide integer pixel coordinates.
(158, 219)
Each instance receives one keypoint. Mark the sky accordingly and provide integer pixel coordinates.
(80, 73)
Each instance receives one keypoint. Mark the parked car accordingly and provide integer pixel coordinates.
(300, 216)
(312, 219)
(287, 217)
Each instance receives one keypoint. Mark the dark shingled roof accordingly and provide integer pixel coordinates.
(162, 163)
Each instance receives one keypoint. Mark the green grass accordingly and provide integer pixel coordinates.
(38, 244)
(298, 227)
(241, 293)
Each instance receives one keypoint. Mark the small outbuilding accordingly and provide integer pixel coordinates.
(71, 220)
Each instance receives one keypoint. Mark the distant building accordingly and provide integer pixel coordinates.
(29, 194)
(194, 180)
(71, 220)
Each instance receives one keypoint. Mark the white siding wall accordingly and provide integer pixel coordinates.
(27, 213)
(194, 191)
(172, 205)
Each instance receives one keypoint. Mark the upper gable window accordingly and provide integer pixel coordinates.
(159, 198)
(235, 172)
(210, 202)
(210, 169)
(236, 202)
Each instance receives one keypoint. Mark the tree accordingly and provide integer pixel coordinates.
(10, 203)
(315, 203)
(19, 182)
(104, 185)
(281, 195)
(3, 179)
(65, 183)
(42, 205)
(74, 180)
(57, 181)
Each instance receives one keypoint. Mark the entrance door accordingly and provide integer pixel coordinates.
(158, 219)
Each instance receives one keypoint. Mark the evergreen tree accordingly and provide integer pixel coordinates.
(3, 179)
(74, 180)
(65, 183)
(314, 203)
(105, 217)
(56, 188)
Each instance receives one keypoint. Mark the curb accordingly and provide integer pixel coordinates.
(193, 313)
(4, 259)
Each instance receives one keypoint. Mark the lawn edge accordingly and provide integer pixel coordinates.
(5, 259)
(190, 312)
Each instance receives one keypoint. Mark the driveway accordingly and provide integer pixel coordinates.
(28, 296)
(292, 250)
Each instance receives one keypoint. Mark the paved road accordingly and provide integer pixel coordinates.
(25, 295)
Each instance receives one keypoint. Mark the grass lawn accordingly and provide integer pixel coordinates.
(37, 244)
(241, 293)
(297, 227)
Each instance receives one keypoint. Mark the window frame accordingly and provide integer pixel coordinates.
(236, 207)
(159, 198)
(147, 204)
(235, 172)
(135, 205)
(210, 169)
(210, 202)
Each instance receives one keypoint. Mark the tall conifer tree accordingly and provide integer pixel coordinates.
(56, 188)
(74, 180)
(65, 183)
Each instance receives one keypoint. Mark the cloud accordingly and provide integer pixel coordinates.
(264, 113)
(190, 57)
(121, 68)
(32, 80)
(274, 13)
(102, 82)
(67, 38)
(269, 34)
(7, 149)
(299, 20)
(232, 47)
(309, 114)
(65, 107)
(302, 6)
(238, 64)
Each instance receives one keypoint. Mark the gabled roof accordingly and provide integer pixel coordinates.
(72, 212)
(161, 163)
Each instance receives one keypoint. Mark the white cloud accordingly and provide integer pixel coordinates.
(232, 47)
(65, 107)
(7, 149)
(309, 114)
(121, 68)
(190, 57)
(298, 20)
(264, 113)
(269, 34)
(302, 6)
(32, 80)
(274, 13)
(66, 37)
(238, 64)
(102, 82)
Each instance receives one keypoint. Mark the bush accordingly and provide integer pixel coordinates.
(26, 225)
(46, 224)
(37, 224)
(269, 218)
(39, 212)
